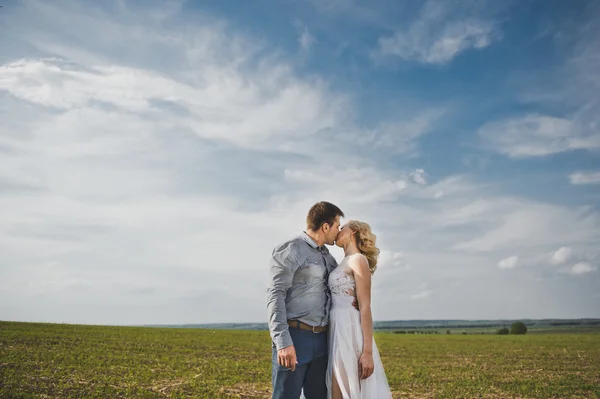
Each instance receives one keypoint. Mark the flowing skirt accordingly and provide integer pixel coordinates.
(345, 348)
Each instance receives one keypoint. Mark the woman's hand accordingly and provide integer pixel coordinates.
(365, 365)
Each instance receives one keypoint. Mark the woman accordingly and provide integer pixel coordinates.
(355, 370)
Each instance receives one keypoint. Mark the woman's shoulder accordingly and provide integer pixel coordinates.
(357, 260)
(359, 255)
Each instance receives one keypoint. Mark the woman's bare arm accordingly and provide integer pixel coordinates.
(362, 276)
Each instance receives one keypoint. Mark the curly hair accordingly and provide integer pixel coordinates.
(365, 241)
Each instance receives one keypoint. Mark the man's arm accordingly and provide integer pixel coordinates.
(281, 277)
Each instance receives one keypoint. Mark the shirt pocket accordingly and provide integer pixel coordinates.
(312, 271)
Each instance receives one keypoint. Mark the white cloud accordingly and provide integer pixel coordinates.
(536, 136)
(573, 85)
(398, 136)
(419, 176)
(305, 39)
(421, 295)
(508, 263)
(580, 178)
(395, 260)
(583, 268)
(561, 255)
(447, 187)
(352, 185)
(437, 37)
(527, 224)
(247, 110)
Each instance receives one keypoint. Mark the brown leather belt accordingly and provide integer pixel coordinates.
(307, 327)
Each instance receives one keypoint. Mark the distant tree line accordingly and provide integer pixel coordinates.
(574, 323)
(517, 328)
(502, 327)
(437, 327)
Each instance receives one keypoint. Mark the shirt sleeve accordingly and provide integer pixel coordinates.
(332, 262)
(283, 266)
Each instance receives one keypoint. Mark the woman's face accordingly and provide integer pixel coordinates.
(344, 236)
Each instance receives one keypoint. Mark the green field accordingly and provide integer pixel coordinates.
(73, 361)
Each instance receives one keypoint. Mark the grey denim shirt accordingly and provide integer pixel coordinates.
(298, 287)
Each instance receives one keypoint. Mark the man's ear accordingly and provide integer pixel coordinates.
(326, 227)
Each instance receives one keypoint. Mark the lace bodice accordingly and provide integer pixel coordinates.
(340, 282)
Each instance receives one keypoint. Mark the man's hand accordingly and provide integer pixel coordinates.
(355, 304)
(287, 357)
(365, 365)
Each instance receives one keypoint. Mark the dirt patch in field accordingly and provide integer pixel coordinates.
(167, 386)
(247, 391)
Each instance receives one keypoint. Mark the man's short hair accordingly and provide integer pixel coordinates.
(321, 213)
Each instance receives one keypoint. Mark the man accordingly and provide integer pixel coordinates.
(298, 304)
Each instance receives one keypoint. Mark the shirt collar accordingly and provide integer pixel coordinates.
(312, 242)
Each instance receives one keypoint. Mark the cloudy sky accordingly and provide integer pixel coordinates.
(153, 153)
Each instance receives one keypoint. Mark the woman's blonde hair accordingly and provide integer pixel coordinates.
(365, 241)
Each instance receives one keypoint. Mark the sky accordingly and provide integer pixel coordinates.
(153, 153)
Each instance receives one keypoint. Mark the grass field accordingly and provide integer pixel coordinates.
(68, 361)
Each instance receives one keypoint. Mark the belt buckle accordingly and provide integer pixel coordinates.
(313, 329)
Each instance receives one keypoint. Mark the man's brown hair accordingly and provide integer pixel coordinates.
(321, 213)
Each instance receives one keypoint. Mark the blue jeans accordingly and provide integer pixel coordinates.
(312, 354)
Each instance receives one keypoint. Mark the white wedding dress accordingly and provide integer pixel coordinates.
(346, 341)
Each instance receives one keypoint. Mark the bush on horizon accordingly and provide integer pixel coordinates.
(518, 328)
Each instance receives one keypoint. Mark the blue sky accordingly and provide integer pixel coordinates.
(153, 154)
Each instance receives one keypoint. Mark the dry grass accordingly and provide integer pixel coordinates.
(66, 361)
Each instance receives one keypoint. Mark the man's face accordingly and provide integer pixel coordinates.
(332, 231)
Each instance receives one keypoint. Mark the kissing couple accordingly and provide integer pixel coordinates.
(320, 312)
